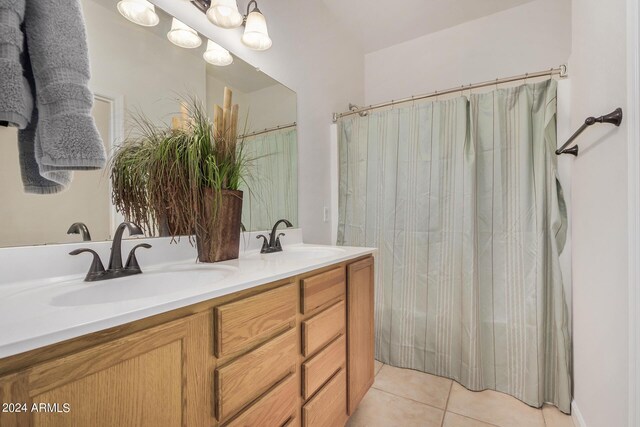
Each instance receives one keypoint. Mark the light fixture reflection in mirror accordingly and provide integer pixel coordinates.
(183, 36)
(139, 12)
(255, 35)
(224, 14)
(217, 55)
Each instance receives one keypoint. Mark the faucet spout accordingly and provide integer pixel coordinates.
(115, 260)
(272, 236)
(81, 229)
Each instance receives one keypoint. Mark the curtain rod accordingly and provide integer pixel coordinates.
(354, 109)
(260, 132)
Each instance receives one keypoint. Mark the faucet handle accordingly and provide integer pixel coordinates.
(265, 243)
(132, 261)
(96, 269)
(278, 244)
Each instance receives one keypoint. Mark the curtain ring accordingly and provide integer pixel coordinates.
(497, 83)
(437, 96)
(526, 76)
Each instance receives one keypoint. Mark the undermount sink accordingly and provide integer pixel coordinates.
(165, 281)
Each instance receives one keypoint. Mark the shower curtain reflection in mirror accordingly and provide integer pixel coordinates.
(271, 189)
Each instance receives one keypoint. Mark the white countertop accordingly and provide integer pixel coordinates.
(41, 312)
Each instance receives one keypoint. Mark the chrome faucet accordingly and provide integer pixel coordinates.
(81, 229)
(115, 270)
(272, 244)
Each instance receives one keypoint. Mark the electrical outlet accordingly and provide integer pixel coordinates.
(327, 214)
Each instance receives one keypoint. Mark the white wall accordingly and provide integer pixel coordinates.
(600, 223)
(271, 106)
(317, 59)
(215, 96)
(532, 37)
(263, 108)
(139, 63)
(29, 219)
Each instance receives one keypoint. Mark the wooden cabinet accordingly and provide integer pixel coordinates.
(276, 408)
(328, 408)
(149, 378)
(319, 330)
(320, 289)
(247, 321)
(298, 352)
(251, 375)
(360, 332)
(317, 370)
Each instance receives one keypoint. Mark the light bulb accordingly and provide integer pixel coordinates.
(217, 55)
(184, 36)
(255, 34)
(139, 12)
(224, 13)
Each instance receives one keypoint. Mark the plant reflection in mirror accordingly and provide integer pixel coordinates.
(160, 176)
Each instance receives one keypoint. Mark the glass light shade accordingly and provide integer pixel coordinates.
(217, 55)
(255, 34)
(224, 13)
(184, 36)
(139, 12)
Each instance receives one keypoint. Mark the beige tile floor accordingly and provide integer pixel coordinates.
(406, 398)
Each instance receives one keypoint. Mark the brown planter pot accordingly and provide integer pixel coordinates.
(218, 233)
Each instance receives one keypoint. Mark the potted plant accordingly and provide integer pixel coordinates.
(186, 179)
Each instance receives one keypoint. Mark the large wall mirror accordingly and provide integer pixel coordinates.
(135, 70)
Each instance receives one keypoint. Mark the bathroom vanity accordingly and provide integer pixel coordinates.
(296, 349)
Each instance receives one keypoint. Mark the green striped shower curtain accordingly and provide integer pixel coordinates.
(271, 190)
(462, 200)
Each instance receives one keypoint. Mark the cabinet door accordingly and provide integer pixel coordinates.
(360, 350)
(148, 378)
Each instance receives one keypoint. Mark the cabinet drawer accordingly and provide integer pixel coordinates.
(274, 409)
(249, 376)
(317, 370)
(241, 323)
(328, 408)
(322, 288)
(322, 328)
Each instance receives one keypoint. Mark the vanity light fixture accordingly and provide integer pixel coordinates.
(224, 14)
(182, 35)
(255, 35)
(217, 55)
(140, 12)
